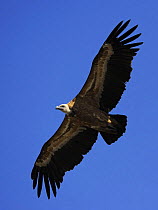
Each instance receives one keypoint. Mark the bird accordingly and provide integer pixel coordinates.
(88, 114)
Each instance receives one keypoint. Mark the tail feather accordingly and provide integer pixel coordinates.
(120, 126)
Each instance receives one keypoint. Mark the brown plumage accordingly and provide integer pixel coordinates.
(88, 113)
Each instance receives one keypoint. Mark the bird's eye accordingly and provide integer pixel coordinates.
(62, 106)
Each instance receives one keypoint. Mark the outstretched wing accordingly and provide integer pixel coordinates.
(61, 153)
(111, 68)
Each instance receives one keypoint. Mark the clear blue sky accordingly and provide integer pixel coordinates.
(46, 52)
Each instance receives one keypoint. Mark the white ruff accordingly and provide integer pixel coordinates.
(64, 108)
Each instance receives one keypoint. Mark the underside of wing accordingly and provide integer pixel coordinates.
(111, 67)
(119, 65)
(61, 153)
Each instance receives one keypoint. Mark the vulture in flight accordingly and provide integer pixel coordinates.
(87, 114)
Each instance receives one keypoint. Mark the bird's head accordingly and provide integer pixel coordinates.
(64, 108)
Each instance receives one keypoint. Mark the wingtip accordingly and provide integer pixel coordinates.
(136, 26)
(128, 21)
(34, 185)
(33, 173)
(120, 23)
(139, 34)
(141, 43)
(125, 24)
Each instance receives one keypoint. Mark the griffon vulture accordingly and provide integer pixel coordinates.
(87, 114)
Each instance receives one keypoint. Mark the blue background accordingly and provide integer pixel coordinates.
(46, 52)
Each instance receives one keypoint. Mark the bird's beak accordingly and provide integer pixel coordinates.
(58, 108)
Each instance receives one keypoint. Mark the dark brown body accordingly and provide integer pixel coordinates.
(91, 116)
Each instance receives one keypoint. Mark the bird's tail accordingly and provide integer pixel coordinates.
(118, 123)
